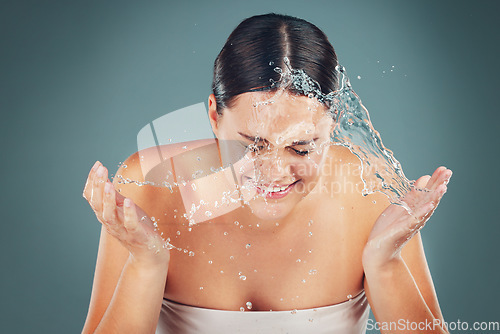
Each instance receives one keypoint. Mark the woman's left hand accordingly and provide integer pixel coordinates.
(396, 226)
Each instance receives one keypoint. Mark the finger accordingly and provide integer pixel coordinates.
(438, 177)
(130, 220)
(448, 176)
(438, 193)
(434, 200)
(422, 181)
(87, 190)
(109, 204)
(98, 189)
(421, 214)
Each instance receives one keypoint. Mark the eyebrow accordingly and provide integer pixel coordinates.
(294, 143)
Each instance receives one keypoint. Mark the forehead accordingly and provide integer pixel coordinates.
(272, 115)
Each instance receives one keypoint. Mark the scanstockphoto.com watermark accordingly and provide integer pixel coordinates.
(452, 326)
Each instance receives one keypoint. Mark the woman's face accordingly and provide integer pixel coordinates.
(282, 140)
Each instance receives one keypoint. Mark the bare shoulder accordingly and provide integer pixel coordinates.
(147, 174)
(345, 170)
(138, 164)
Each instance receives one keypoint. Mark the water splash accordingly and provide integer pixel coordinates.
(354, 130)
(381, 171)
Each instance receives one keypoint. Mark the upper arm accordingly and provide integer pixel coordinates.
(414, 256)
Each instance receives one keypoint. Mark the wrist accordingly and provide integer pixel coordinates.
(374, 265)
(147, 265)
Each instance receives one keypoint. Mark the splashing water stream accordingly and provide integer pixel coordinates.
(354, 130)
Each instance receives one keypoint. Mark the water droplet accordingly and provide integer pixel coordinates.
(242, 309)
(243, 277)
(298, 260)
(294, 311)
(178, 232)
(225, 233)
(312, 272)
(210, 262)
(359, 77)
(236, 223)
(201, 288)
(310, 233)
(208, 213)
(247, 246)
(303, 281)
(231, 257)
(249, 305)
(349, 297)
(191, 253)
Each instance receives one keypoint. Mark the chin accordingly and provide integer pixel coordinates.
(263, 213)
(270, 211)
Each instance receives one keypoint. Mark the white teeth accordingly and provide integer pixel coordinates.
(275, 189)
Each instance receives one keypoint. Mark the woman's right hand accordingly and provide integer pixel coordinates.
(124, 220)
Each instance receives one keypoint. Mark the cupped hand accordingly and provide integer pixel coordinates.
(399, 223)
(124, 220)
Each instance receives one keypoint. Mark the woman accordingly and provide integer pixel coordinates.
(298, 249)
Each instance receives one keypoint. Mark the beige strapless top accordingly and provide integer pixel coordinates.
(349, 317)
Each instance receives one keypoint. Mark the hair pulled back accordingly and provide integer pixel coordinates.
(259, 44)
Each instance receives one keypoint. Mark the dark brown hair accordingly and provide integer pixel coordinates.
(259, 44)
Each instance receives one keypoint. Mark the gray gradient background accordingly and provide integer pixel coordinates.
(80, 78)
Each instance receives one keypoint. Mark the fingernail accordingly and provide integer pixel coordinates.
(107, 188)
(100, 171)
(126, 202)
(96, 164)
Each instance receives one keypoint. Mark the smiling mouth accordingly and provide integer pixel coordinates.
(275, 192)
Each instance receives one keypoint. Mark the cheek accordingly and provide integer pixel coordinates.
(307, 168)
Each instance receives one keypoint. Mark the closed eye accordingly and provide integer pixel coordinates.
(301, 152)
(254, 148)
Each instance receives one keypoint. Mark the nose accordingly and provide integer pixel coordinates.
(274, 168)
